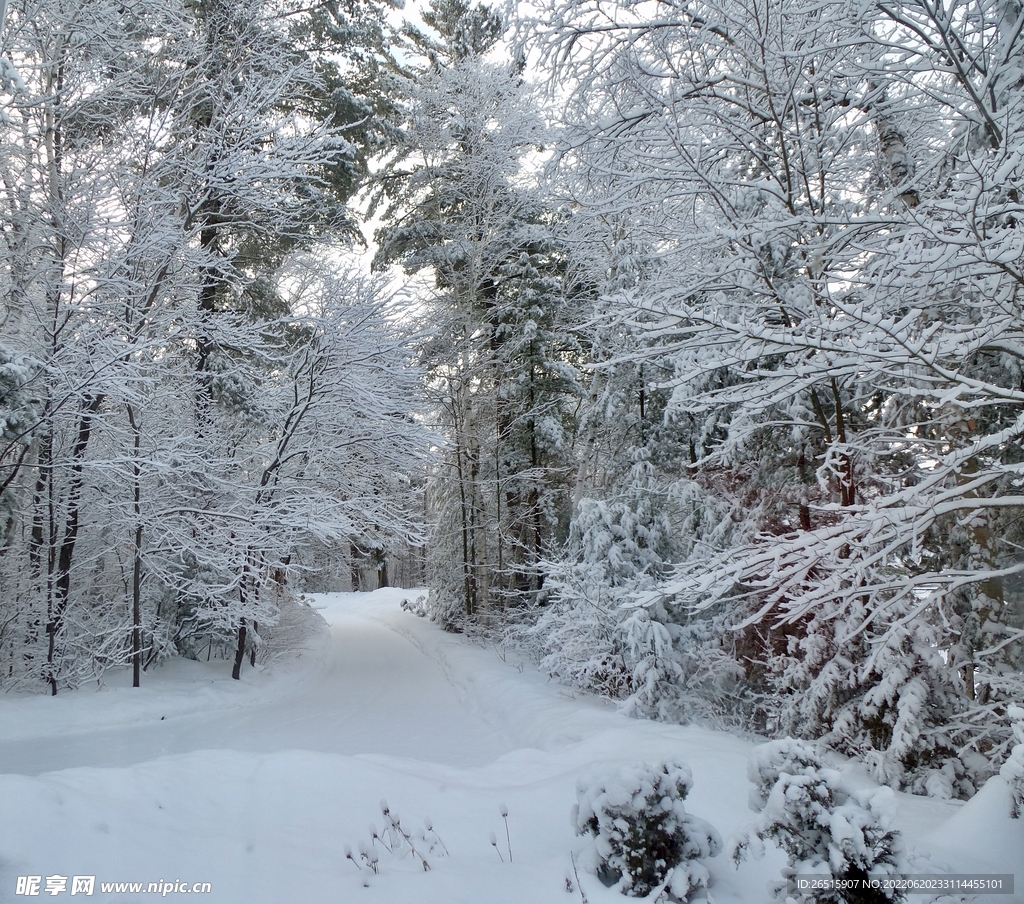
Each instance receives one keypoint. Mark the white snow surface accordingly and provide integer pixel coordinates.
(257, 786)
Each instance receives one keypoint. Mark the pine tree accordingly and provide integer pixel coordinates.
(499, 356)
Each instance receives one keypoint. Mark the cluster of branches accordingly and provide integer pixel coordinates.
(806, 223)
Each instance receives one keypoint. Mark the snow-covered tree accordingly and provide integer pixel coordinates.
(463, 209)
(836, 280)
(167, 402)
(824, 828)
(642, 839)
(1013, 769)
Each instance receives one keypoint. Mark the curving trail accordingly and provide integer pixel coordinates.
(370, 691)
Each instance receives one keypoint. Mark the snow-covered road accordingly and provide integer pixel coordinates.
(368, 692)
(257, 786)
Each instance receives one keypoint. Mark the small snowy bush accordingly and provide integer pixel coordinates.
(1013, 768)
(417, 606)
(642, 838)
(822, 826)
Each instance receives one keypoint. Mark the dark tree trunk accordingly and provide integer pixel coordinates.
(236, 672)
(354, 554)
(137, 610)
(65, 554)
(137, 554)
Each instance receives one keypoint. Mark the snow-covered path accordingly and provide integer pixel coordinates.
(370, 692)
(257, 786)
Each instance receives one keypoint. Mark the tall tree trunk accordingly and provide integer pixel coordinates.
(43, 528)
(236, 671)
(468, 569)
(65, 553)
(354, 554)
(136, 551)
(246, 583)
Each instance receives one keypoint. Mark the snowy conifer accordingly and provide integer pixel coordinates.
(1013, 769)
(824, 828)
(642, 838)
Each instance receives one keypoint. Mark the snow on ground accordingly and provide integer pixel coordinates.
(257, 786)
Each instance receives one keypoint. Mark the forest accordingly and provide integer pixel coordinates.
(675, 344)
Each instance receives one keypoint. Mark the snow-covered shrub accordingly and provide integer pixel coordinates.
(1013, 769)
(641, 835)
(417, 606)
(823, 827)
(298, 626)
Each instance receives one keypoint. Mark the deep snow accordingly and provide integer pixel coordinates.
(257, 786)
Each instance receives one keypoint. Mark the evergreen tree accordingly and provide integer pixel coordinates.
(500, 361)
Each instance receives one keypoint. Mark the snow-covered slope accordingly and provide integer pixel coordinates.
(256, 787)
